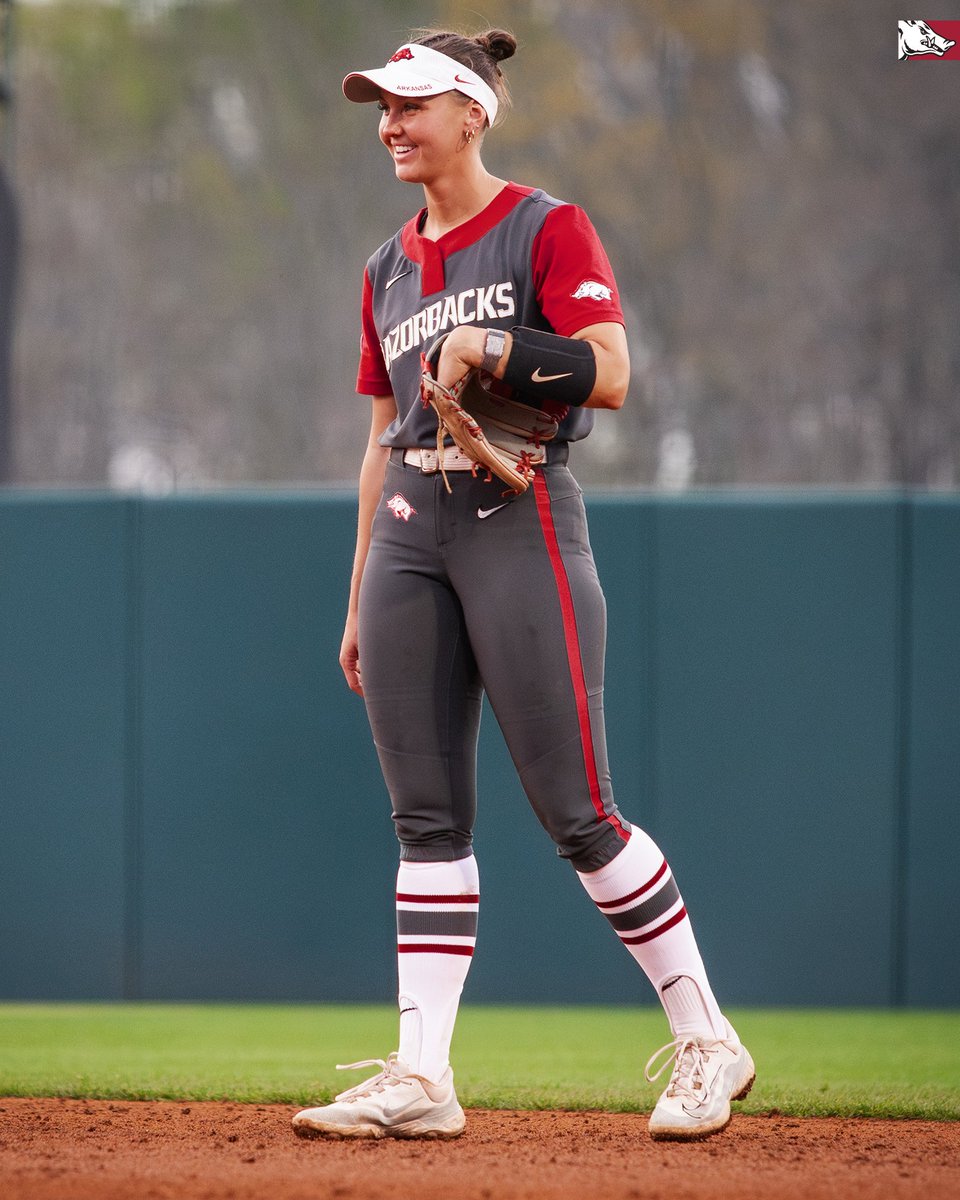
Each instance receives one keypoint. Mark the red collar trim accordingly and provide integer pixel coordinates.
(430, 256)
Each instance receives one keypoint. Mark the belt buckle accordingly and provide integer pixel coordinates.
(429, 462)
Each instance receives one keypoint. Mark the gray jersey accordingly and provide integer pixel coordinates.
(527, 259)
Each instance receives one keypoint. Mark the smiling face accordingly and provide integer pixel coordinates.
(426, 137)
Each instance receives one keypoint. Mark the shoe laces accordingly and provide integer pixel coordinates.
(689, 1056)
(392, 1071)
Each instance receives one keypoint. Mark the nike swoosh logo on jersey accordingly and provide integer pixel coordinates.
(538, 378)
(390, 282)
(488, 512)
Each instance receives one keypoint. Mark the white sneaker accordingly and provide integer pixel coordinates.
(396, 1103)
(706, 1076)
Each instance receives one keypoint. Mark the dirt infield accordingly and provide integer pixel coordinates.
(81, 1149)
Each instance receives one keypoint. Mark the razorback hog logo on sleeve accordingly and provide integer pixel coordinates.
(916, 37)
(590, 289)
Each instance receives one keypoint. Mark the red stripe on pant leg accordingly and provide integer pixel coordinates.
(414, 948)
(648, 937)
(574, 658)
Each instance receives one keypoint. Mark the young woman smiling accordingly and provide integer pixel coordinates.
(460, 590)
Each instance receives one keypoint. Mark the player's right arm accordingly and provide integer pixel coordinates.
(371, 486)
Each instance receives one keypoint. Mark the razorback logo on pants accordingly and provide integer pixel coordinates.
(401, 507)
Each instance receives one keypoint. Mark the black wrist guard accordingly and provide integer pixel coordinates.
(545, 366)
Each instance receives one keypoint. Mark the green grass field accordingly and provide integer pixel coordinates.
(810, 1062)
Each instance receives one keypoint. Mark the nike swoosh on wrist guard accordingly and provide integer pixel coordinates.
(537, 377)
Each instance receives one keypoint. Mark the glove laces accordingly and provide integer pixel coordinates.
(689, 1056)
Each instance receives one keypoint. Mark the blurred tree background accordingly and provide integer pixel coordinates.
(779, 196)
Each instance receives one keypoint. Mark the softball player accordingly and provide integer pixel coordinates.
(522, 287)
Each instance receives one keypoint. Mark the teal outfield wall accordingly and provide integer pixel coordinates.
(190, 806)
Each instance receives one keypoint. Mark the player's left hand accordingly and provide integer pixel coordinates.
(462, 350)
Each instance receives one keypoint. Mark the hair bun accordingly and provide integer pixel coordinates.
(498, 43)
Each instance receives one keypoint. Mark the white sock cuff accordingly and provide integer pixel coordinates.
(636, 866)
(443, 878)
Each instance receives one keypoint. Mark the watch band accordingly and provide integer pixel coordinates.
(493, 350)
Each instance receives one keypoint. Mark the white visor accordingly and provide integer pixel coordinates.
(420, 71)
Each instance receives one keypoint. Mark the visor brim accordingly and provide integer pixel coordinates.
(362, 87)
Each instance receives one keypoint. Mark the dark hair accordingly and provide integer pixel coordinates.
(482, 53)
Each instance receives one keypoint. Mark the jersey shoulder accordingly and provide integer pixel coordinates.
(564, 219)
(543, 201)
(540, 197)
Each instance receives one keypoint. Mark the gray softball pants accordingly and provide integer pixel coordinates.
(454, 604)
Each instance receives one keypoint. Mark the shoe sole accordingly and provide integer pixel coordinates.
(412, 1129)
(745, 1089)
(699, 1134)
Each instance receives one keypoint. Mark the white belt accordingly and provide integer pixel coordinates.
(429, 461)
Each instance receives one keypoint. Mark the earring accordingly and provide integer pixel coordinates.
(471, 134)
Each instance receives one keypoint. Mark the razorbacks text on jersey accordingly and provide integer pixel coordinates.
(527, 259)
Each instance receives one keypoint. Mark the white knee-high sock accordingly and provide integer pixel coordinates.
(437, 906)
(638, 895)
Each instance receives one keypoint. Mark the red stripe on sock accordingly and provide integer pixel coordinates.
(648, 937)
(409, 898)
(416, 948)
(633, 895)
(574, 658)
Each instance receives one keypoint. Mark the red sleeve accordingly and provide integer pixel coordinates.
(372, 377)
(572, 274)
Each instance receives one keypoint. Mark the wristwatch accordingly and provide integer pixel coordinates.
(493, 350)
